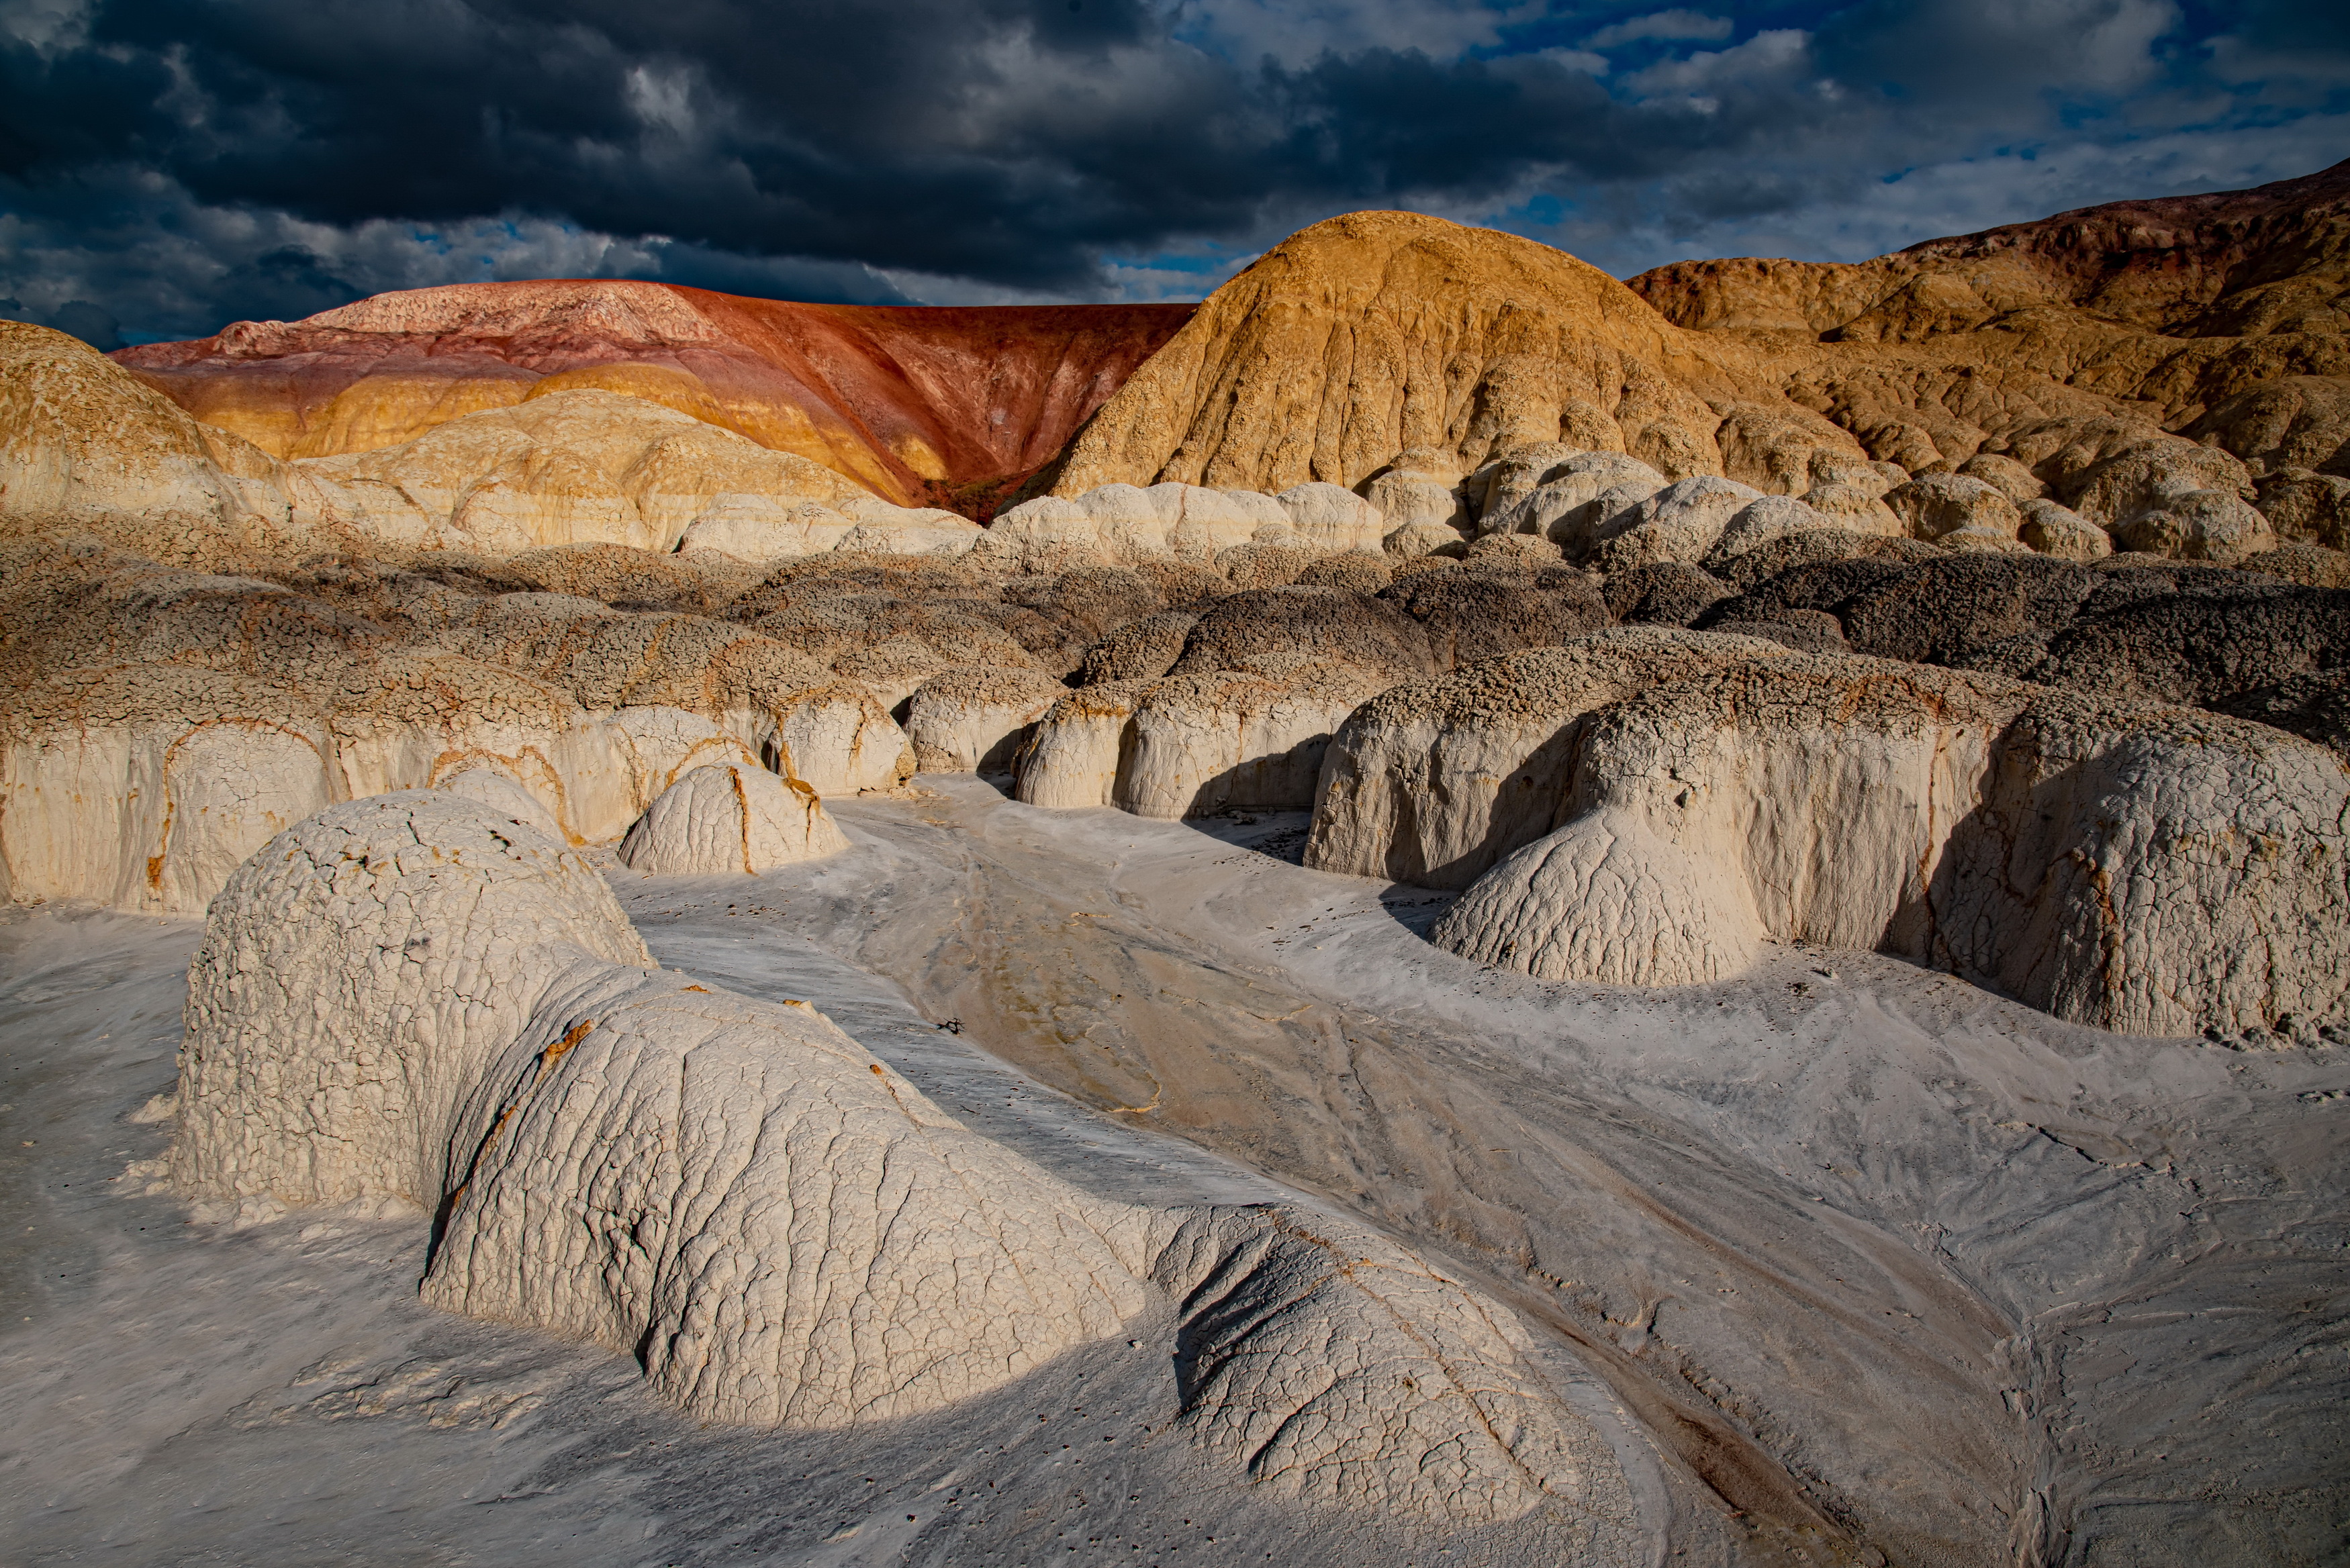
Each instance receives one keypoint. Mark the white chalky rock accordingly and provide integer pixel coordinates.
(1039, 535)
(395, 1000)
(1514, 476)
(1561, 507)
(1125, 523)
(762, 529)
(501, 793)
(721, 821)
(1332, 518)
(402, 998)
(2053, 529)
(1414, 540)
(154, 814)
(1404, 498)
(2111, 864)
(883, 529)
(2215, 525)
(838, 740)
(974, 720)
(1679, 522)
(1758, 523)
(1133, 522)
(1860, 507)
(1071, 758)
(1204, 521)
(1431, 782)
(1203, 743)
(1935, 505)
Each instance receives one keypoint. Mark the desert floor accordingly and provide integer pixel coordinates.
(1841, 1247)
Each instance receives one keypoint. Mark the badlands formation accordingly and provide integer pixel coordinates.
(1444, 910)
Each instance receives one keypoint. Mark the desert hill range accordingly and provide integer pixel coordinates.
(1441, 909)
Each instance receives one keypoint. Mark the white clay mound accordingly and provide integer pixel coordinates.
(2111, 864)
(729, 818)
(404, 997)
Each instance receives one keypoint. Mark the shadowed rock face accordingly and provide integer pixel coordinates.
(931, 406)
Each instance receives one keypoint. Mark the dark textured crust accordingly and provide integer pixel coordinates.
(2314, 706)
(2159, 630)
(1143, 650)
(1091, 601)
(1482, 614)
(1356, 571)
(1665, 593)
(1805, 631)
(2204, 646)
(1327, 625)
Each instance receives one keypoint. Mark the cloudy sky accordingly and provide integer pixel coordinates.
(169, 165)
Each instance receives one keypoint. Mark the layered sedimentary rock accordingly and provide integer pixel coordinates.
(84, 445)
(410, 997)
(2146, 326)
(918, 406)
(2110, 863)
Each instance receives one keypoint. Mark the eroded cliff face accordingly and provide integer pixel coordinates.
(920, 405)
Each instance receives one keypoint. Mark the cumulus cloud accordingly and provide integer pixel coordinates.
(1673, 25)
(175, 165)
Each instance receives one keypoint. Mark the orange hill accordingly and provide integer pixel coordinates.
(925, 406)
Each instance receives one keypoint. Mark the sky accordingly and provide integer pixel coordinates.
(167, 166)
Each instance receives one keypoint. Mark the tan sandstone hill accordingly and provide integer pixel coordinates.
(1398, 343)
(1378, 332)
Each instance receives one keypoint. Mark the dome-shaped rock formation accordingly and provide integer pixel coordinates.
(729, 819)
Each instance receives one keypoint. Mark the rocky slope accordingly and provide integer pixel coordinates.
(920, 405)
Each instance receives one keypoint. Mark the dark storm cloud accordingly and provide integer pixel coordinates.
(174, 162)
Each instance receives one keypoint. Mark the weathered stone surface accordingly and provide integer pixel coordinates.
(1935, 505)
(1431, 782)
(2059, 531)
(2214, 526)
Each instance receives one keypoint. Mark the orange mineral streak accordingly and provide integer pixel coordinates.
(947, 406)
